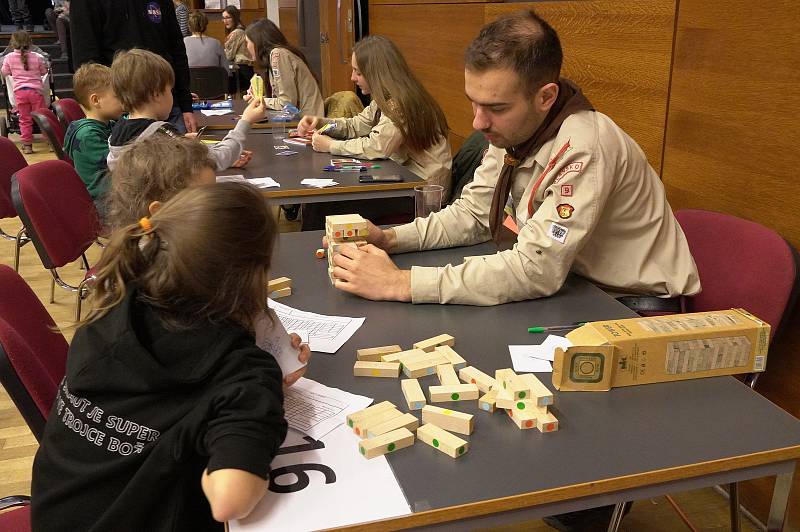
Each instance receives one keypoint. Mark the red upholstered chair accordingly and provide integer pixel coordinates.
(49, 125)
(67, 110)
(19, 519)
(59, 217)
(33, 354)
(11, 160)
(742, 265)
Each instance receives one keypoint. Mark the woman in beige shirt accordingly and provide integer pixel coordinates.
(236, 47)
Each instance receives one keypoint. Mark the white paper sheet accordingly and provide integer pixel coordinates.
(215, 112)
(326, 333)
(238, 178)
(526, 364)
(319, 183)
(273, 338)
(263, 182)
(326, 487)
(315, 409)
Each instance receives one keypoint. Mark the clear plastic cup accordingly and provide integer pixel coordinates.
(427, 199)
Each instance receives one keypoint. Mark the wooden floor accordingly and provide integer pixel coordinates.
(706, 508)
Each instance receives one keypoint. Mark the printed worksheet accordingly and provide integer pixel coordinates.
(315, 409)
(326, 334)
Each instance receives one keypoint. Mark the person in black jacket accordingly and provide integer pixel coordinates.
(169, 415)
(100, 28)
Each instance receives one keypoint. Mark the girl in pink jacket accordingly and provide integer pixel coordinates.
(27, 69)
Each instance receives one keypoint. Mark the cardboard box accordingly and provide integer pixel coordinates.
(609, 354)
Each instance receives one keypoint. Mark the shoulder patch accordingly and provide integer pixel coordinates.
(570, 168)
(153, 11)
(566, 190)
(565, 211)
(558, 232)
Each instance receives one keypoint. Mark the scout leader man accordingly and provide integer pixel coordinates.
(583, 195)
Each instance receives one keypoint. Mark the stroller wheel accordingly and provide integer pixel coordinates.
(3, 126)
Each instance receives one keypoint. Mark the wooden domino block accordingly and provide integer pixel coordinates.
(374, 354)
(363, 425)
(447, 419)
(449, 353)
(512, 382)
(366, 412)
(336, 247)
(440, 439)
(547, 423)
(523, 419)
(346, 227)
(487, 401)
(364, 368)
(386, 443)
(412, 391)
(475, 376)
(544, 397)
(504, 398)
(415, 367)
(279, 284)
(447, 375)
(330, 276)
(411, 354)
(524, 405)
(393, 357)
(431, 343)
(458, 392)
(406, 421)
(283, 292)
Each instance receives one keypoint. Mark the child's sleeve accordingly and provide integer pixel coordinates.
(6, 68)
(229, 149)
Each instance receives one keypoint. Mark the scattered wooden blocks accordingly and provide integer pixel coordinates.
(363, 368)
(447, 419)
(412, 391)
(487, 401)
(386, 443)
(476, 376)
(449, 353)
(512, 382)
(406, 421)
(539, 391)
(440, 439)
(374, 354)
(431, 343)
(363, 425)
(447, 375)
(457, 392)
(279, 284)
(366, 412)
(504, 398)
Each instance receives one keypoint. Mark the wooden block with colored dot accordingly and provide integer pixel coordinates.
(504, 398)
(419, 366)
(279, 284)
(512, 382)
(363, 425)
(386, 443)
(543, 396)
(345, 227)
(431, 343)
(475, 376)
(364, 368)
(409, 354)
(406, 421)
(447, 419)
(283, 292)
(320, 253)
(452, 357)
(440, 439)
(547, 423)
(487, 401)
(524, 405)
(351, 419)
(336, 247)
(374, 354)
(447, 375)
(457, 392)
(412, 391)
(523, 419)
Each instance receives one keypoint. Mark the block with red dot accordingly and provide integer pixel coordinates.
(522, 419)
(473, 375)
(346, 227)
(362, 426)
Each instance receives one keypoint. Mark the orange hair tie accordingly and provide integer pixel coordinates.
(145, 224)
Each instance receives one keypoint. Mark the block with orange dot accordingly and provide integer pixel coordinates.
(448, 419)
(458, 392)
(320, 253)
(363, 425)
(365, 368)
(473, 375)
(524, 419)
(386, 443)
(346, 227)
(547, 423)
(444, 441)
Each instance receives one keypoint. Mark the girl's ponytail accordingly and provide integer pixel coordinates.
(21, 40)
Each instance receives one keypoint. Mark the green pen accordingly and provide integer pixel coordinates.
(555, 327)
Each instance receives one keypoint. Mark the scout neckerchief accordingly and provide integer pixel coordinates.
(570, 100)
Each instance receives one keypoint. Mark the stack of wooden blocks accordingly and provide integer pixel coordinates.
(384, 428)
(343, 230)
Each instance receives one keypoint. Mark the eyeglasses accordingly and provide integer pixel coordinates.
(226, 18)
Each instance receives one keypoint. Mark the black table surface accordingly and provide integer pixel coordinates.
(602, 435)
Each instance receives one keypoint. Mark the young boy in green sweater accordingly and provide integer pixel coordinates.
(86, 140)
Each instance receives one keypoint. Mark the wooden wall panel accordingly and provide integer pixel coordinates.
(619, 52)
(732, 146)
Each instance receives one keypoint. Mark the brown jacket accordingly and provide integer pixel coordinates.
(292, 82)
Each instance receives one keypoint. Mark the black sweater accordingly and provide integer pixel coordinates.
(142, 412)
(100, 28)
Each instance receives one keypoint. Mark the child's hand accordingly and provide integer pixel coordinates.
(307, 124)
(321, 142)
(255, 111)
(304, 356)
(244, 158)
(190, 135)
(247, 96)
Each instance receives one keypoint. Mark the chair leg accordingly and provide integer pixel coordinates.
(21, 240)
(83, 291)
(736, 515)
(52, 289)
(85, 262)
(6, 236)
(616, 517)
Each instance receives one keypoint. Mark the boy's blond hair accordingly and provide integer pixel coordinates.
(138, 76)
(91, 78)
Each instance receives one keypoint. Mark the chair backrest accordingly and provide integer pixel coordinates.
(57, 211)
(49, 125)
(11, 160)
(742, 265)
(16, 520)
(466, 161)
(33, 354)
(209, 82)
(68, 110)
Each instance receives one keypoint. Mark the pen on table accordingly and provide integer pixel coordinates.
(556, 327)
(345, 168)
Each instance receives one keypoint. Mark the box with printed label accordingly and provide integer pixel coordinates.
(609, 354)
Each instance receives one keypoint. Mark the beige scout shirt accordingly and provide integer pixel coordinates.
(598, 209)
(236, 48)
(367, 138)
(292, 82)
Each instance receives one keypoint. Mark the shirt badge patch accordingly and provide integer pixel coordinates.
(566, 190)
(558, 232)
(154, 12)
(276, 73)
(570, 168)
(565, 211)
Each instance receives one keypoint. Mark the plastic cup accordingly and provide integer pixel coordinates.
(278, 131)
(427, 199)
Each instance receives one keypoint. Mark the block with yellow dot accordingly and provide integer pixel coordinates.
(365, 368)
(451, 420)
(386, 443)
(440, 439)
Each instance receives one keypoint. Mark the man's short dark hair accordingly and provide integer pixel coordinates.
(521, 41)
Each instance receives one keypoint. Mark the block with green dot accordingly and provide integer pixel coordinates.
(456, 392)
(366, 412)
(388, 442)
(539, 393)
(513, 383)
(442, 440)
